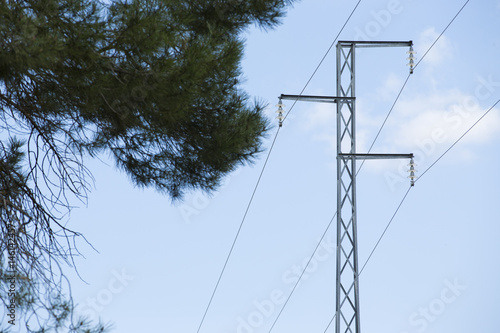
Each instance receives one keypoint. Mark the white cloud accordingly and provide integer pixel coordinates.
(439, 53)
(390, 88)
(441, 118)
(428, 123)
(425, 125)
(321, 115)
(321, 121)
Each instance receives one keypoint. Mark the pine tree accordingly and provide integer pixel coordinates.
(153, 83)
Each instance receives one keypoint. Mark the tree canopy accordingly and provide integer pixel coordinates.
(156, 84)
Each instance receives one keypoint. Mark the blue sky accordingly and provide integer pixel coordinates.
(435, 269)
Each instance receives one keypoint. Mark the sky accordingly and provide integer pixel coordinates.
(435, 268)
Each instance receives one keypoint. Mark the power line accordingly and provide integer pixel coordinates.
(375, 247)
(301, 274)
(238, 232)
(406, 194)
(378, 133)
(444, 30)
(329, 224)
(385, 121)
(332, 219)
(408, 77)
(434, 163)
(389, 113)
(324, 57)
(262, 171)
(359, 169)
(460, 138)
(385, 230)
(330, 322)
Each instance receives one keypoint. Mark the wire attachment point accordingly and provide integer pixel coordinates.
(412, 172)
(411, 59)
(280, 111)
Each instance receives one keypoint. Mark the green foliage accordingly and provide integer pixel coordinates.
(153, 83)
(38, 306)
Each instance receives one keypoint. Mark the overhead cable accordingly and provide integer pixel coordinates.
(369, 150)
(262, 171)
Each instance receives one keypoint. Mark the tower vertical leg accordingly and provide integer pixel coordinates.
(347, 318)
(347, 290)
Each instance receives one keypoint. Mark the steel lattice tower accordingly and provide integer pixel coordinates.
(347, 319)
(347, 289)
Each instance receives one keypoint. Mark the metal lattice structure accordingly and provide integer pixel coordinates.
(347, 289)
(347, 319)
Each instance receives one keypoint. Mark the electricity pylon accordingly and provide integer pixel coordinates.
(347, 317)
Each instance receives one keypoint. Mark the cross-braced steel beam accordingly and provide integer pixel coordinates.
(347, 289)
(347, 318)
